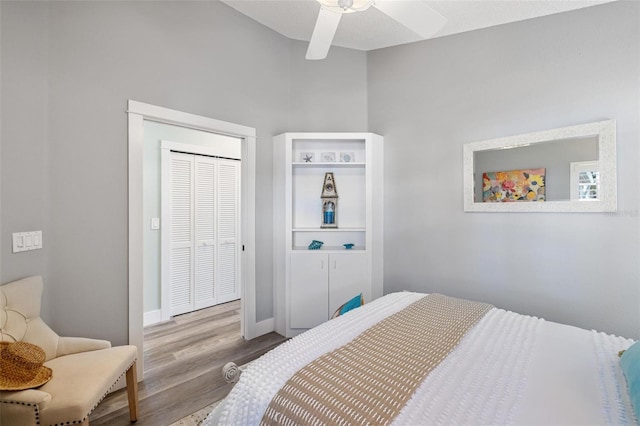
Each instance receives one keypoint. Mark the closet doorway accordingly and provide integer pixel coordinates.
(139, 114)
(200, 246)
(191, 207)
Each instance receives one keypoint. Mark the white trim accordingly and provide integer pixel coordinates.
(136, 321)
(152, 317)
(262, 327)
(377, 210)
(165, 299)
(138, 112)
(248, 325)
(170, 116)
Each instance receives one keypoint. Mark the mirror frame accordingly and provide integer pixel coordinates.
(606, 133)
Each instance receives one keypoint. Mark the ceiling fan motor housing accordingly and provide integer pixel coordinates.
(345, 4)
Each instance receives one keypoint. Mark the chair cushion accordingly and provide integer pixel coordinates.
(20, 315)
(80, 381)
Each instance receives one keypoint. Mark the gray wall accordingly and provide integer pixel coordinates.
(24, 166)
(68, 69)
(431, 97)
(333, 90)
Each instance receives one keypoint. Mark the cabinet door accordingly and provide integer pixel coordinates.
(349, 275)
(309, 297)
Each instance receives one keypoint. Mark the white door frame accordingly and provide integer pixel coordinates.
(138, 112)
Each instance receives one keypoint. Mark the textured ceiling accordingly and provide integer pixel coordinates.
(373, 29)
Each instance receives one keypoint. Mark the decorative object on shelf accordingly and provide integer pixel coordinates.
(328, 157)
(348, 246)
(307, 157)
(514, 185)
(329, 202)
(347, 157)
(315, 245)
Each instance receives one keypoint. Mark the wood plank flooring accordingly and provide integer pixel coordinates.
(183, 360)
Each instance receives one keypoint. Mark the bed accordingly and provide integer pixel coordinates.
(505, 368)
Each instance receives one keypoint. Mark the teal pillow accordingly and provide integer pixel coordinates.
(351, 304)
(630, 363)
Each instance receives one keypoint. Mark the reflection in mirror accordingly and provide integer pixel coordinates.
(555, 157)
(575, 170)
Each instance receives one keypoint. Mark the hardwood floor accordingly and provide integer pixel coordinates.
(183, 360)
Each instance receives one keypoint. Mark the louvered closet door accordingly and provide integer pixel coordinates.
(181, 235)
(205, 232)
(204, 219)
(228, 230)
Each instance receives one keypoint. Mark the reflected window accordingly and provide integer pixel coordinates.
(585, 180)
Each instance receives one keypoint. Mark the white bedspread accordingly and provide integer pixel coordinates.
(508, 369)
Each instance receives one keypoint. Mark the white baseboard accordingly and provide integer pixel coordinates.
(262, 327)
(152, 317)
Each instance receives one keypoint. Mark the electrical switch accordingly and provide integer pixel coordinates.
(24, 241)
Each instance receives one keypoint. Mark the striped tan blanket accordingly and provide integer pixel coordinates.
(370, 379)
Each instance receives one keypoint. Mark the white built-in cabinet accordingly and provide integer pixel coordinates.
(327, 279)
(311, 284)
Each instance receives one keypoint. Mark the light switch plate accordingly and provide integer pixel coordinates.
(155, 223)
(25, 241)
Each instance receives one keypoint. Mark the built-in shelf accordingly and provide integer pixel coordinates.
(328, 230)
(325, 165)
(312, 284)
(329, 249)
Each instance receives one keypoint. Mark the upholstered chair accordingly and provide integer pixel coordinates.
(84, 370)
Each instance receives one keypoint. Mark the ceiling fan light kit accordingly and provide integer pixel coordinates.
(346, 6)
(415, 15)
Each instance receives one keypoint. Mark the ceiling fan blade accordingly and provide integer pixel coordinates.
(415, 15)
(323, 33)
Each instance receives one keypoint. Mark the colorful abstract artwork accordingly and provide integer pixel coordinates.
(514, 185)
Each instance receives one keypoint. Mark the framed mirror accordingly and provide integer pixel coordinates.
(569, 169)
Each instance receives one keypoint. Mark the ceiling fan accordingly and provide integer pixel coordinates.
(413, 14)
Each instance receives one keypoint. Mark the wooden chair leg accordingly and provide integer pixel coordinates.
(132, 392)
